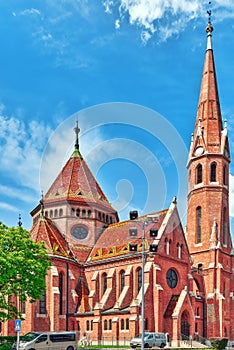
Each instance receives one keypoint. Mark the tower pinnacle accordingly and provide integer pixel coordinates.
(77, 130)
(209, 30)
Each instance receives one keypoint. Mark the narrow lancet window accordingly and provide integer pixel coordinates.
(199, 173)
(213, 172)
(198, 228)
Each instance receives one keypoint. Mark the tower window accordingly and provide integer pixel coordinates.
(224, 175)
(198, 222)
(199, 173)
(224, 226)
(213, 172)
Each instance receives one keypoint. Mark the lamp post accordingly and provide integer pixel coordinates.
(153, 248)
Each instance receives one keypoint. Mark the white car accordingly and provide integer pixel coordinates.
(150, 340)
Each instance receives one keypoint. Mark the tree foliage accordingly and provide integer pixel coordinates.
(23, 268)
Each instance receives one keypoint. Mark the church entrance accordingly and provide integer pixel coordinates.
(185, 327)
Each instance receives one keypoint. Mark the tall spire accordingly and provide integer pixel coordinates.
(208, 127)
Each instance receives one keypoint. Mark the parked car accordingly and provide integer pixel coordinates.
(47, 340)
(230, 345)
(150, 340)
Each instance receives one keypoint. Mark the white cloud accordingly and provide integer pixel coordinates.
(13, 192)
(31, 11)
(108, 6)
(21, 147)
(8, 207)
(117, 24)
(162, 19)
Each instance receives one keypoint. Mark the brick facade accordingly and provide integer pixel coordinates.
(95, 283)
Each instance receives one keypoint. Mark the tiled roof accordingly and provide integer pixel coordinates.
(45, 230)
(76, 183)
(115, 239)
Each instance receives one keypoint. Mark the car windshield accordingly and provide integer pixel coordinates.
(140, 335)
(29, 336)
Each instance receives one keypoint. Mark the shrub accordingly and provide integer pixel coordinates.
(219, 343)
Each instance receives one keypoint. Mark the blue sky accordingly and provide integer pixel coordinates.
(130, 71)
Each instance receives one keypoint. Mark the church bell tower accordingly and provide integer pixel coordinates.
(207, 228)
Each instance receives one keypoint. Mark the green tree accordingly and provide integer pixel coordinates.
(23, 268)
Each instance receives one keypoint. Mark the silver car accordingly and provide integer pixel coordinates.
(150, 340)
(230, 345)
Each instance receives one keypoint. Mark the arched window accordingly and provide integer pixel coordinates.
(78, 212)
(139, 279)
(104, 282)
(179, 247)
(146, 324)
(199, 173)
(167, 248)
(110, 325)
(51, 213)
(46, 213)
(224, 175)
(105, 325)
(61, 293)
(60, 212)
(122, 323)
(122, 280)
(83, 213)
(42, 304)
(127, 323)
(198, 224)
(72, 211)
(224, 226)
(56, 213)
(89, 213)
(23, 307)
(213, 172)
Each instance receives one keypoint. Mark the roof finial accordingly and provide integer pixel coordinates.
(77, 130)
(209, 13)
(19, 222)
(42, 204)
(209, 30)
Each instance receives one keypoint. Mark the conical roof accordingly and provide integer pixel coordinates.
(76, 183)
(209, 120)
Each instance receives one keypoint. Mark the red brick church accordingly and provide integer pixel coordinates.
(99, 274)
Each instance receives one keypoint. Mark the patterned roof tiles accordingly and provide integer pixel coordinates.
(45, 230)
(115, 239)
(76, 182)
